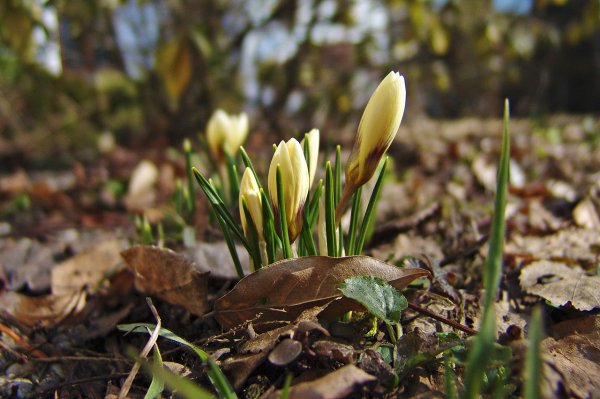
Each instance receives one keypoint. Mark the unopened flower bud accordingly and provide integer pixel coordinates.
(250, 192)
(226, 132)
(377, 129)
(294, 173)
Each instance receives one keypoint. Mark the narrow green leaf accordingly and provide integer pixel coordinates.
(179, 197)
(232, 176)
(285, 391)
(185, 388)
(215, 374)
(231, 246)
(337, 175)
(248, 164)
(268, 227)
(157, 385)
(356, 203)
(380, 298)
(287, 248)
(533, 360)
(191, 198)
(219, 206)
(370, 212)
(313, 207)
(449, 378)
(330, 211)
(479, 353)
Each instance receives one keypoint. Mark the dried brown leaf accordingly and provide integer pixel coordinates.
(169, 276)
(337, 384)
(87, 269)
(576, 358)
(46, 311)
(561, 284)
(573, 245)
(288, 287)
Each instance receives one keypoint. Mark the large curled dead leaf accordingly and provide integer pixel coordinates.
(284, 289)
(561, 284)
(168, 275)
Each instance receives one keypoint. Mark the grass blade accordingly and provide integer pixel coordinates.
(337, 175)
(370, 212)
(248, 164)
(330, 211)
(479, 354)
(231, 246)
(232, 176)
(220, 207)
(215, 374)
(533, 360)
(184, 388)
(191, 197)
(157, 385)
(356, 203)
(449, 379)
(287, 248)
(285, 391)
(268, 227)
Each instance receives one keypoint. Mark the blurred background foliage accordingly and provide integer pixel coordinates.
(154, 70)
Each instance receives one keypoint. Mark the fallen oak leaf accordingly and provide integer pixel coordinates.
(169, 276)
(288, 287)
(561, 284)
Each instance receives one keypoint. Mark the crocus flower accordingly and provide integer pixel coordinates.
(313, 153)
(377, 129)
(294, 173)
(250, 192)
(226, 132)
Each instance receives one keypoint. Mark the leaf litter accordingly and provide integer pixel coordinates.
(438, 208)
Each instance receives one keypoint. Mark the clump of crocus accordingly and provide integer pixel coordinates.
(376, 131)
(225, 133)
(290, 162)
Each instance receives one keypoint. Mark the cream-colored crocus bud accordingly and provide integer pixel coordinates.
(377, 129)
(294, 176)
(313, 153)
(250, 192)
(226, 132)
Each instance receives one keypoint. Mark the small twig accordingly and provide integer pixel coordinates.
(442, 319)
(83, 358)
(147, 348)
(84, 381)
(21, 342)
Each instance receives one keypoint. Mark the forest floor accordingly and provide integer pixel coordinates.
(71, 270)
